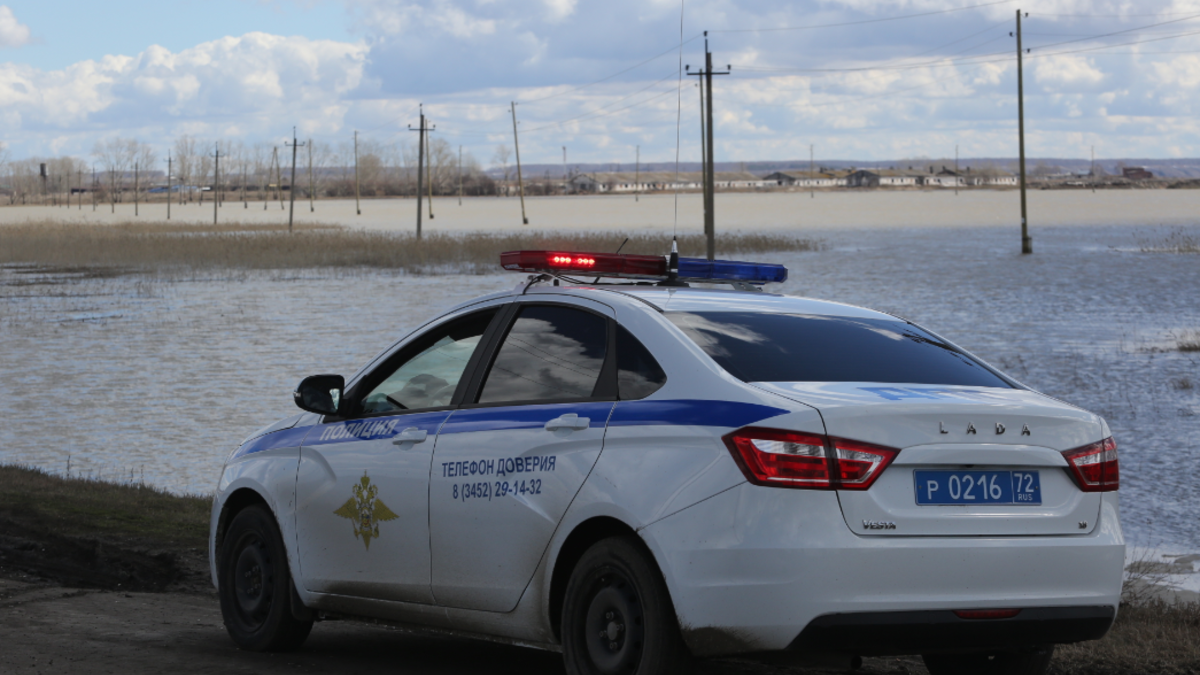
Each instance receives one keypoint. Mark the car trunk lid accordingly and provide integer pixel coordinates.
(964, 435)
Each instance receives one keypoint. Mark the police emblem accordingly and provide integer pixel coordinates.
(365, 511)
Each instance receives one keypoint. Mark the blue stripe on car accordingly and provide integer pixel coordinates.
(523, 417)
(285, 438)
(690, 412)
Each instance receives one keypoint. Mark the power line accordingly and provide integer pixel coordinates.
(865, 21)
(620, 72)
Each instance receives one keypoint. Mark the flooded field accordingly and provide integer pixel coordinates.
(157, 378)
(792, 211)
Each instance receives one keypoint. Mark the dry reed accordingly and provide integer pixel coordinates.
(158, 246)
(1189, 341)
(1178, 241)
(1153, 637)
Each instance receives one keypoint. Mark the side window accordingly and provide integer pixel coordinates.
(638, 374)
(552, 353)
(429, 375)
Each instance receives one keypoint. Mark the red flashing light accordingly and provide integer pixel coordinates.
(602, 264)
(566, 260)
(774, 457)
(1095, 466)
(976, 614)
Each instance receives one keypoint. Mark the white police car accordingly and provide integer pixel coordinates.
(636, 473)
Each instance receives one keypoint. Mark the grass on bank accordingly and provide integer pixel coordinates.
(1149, 637)
(159, 246)
(92, 509)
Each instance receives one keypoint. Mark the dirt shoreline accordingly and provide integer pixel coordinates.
(113, 578)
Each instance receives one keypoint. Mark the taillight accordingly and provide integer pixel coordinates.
(798, 460)
(1095, 466)
(859, 464)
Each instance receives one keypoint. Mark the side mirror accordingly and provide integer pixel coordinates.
(321, 394)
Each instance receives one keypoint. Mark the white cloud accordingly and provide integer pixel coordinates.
(12, 32)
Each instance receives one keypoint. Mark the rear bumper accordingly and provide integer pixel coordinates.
(874, 633)
(752, 568)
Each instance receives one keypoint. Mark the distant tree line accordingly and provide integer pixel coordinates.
(126, 169)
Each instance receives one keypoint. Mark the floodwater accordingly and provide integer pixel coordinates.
(158, 378)
(782, 210)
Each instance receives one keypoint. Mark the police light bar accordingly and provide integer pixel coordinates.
(650, 267)
(597, 264)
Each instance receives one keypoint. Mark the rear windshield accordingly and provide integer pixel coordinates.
(761, 347)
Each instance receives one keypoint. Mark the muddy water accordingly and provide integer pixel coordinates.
(735, 211)
(159, 378)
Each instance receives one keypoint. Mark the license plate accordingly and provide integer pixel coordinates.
(978, 487)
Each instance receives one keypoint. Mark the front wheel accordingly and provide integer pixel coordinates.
(1033, 662)
(256, 586)
(617, 615)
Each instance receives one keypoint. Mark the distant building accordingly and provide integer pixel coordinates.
(821, 178)
(1136, 173)
(884, 178)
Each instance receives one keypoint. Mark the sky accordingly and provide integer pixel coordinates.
(854, 79)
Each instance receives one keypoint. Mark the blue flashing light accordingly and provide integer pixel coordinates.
(717, 271)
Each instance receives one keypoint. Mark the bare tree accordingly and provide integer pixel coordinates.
(500, 159)
(185, 164)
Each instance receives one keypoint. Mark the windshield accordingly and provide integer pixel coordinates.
(764, 347)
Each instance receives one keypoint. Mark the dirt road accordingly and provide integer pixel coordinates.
(50, 629)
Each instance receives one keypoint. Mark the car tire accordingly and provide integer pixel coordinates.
(1033, 662)
(617, 616)
(255, 585)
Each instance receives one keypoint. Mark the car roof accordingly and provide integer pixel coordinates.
(684, 299)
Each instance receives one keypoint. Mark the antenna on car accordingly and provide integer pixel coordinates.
(673, 266)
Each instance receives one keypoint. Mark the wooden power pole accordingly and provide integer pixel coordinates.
(357, 208)
(517, 148)
(706, 76)
(169, 165)
(1026, 240)
(292, 185)
(421, 130)
(216, 178)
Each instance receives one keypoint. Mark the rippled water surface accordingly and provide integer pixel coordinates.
(162, 376)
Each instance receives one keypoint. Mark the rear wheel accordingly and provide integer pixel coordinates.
(1034, 662)
(256, 585)
(617, 615)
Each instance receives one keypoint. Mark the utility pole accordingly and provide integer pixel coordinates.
(564, 169)
(703, 150)
(1093, 171)
(429, 173)
(216, 178)
(312, 190)
(637, 174)
(956, 168)
(1026, 240)
(136, 189)
(292, 185)
(460, 175)
(812, 174)
(169, 184)
(79, 175)
(710, 184)
(67, 171)
(420, 164)
(357, 208)
(245, 199)
(95, 186)
(517, 147)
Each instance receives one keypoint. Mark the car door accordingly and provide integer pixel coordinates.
(362, 517)
(508, 462)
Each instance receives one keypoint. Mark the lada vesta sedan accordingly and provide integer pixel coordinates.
(638, 473)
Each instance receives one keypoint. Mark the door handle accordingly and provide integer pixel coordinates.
(410, 435)
(569, 421)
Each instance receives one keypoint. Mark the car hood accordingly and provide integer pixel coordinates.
(285, 423)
